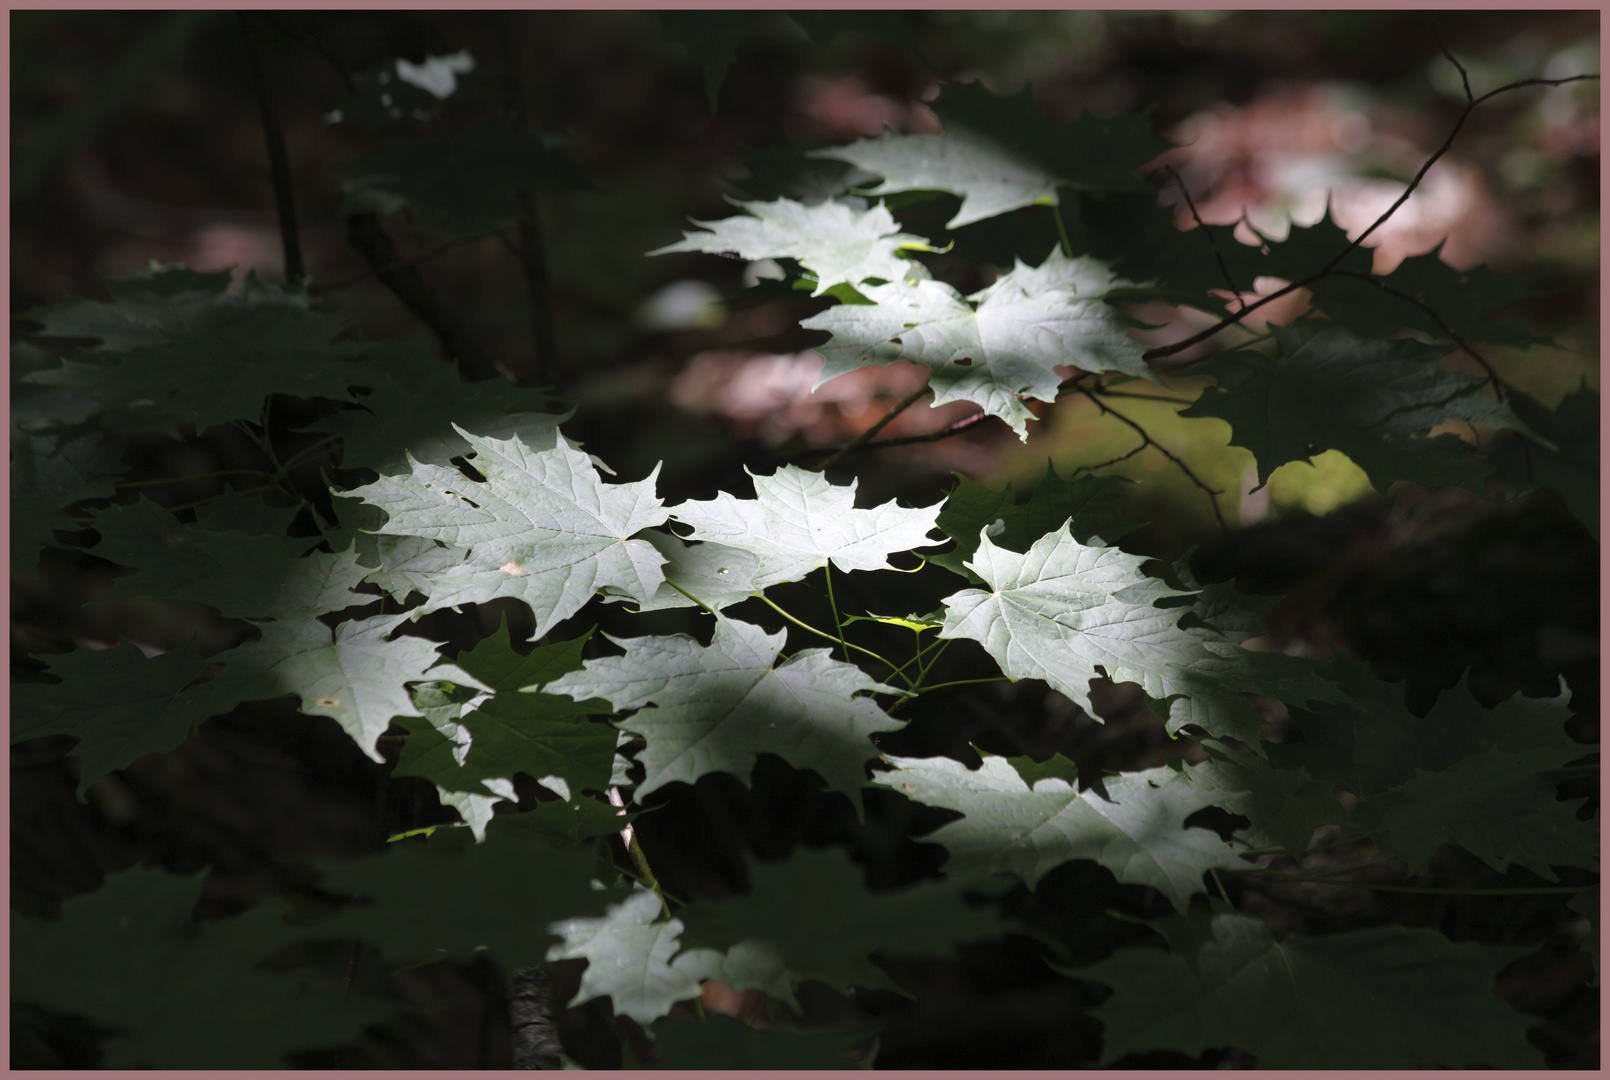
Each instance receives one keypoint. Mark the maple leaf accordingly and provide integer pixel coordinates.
(1284, 804)
(242, 575)
(354, 674)
(414, 403)
(1001, 154)
(838, 243)
(50, 473)
(632, 958)
(720, 1042)
(797, 521)
(990, 179)
(716, 708)
(150, 713)
(1067, 613)
(1374, 401)
(1572, 468)
(719, 575)
(180, 347)
(542, 528)
(996, 347)
(179, 994)
(1460, 774)
(1092, 506)
(1383, 998)
(465, 184)
(1136, 831)
(814, 913)
(454, 899)
(1466, 299)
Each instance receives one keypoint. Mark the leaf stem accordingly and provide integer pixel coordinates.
(1062, 231)
(866, 436)
(635, 850)
(819, 633)
(838, 623)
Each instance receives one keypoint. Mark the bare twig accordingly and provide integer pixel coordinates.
(369, 238)
(933, 436)
(1499, 385)
(1212, 243)
(1212, 493)
(866, 436)
(532, 250)
(279, 164)
(418, 260)
(1180, 346)
(1111, 461)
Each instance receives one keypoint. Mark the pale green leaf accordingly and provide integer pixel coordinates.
(632, 958)
(836, 242)
(995, 348)
(797, 521)
(542, 528)
(1067, 613)
(716, 708)
(1137, 831)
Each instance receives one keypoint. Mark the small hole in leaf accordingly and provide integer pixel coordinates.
(965, 361)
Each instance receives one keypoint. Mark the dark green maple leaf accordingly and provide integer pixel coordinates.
(149, 711)
(1137, 831)
(1465, 300)
(711, 39)
(1284, 804)
(542, 735)
(1460, 774)
(453, 899)
(720, 1042)
(493, 665)
(466, 184)
(1572, 468)
(1494, 805)
(542, 527)
(1092, 505)
(180, 994)
(177, 347)
(50, 473)
(414, 402)
(716, 708)
(1383, 998)
(814, 912)
(1375, 401)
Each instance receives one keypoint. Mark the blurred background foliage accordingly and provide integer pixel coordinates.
(136, 138)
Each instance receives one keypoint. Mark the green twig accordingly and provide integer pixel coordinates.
(1062, 231)
(819, 633)
(866, 436)
(838, 623)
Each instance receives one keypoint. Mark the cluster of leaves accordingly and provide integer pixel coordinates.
(451, 494)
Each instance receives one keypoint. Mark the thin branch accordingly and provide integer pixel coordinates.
(1110, 461)
(533, 249)
(369, 238)
(1463, 74)
(418, 260)
(866, 436)
(1499, 384)
(1180, 346)
(907, 440)
(1212, 493)
(279, 163)
(1218, 256)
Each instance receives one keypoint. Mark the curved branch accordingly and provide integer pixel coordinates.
(1163, 351)
(1212, 493)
